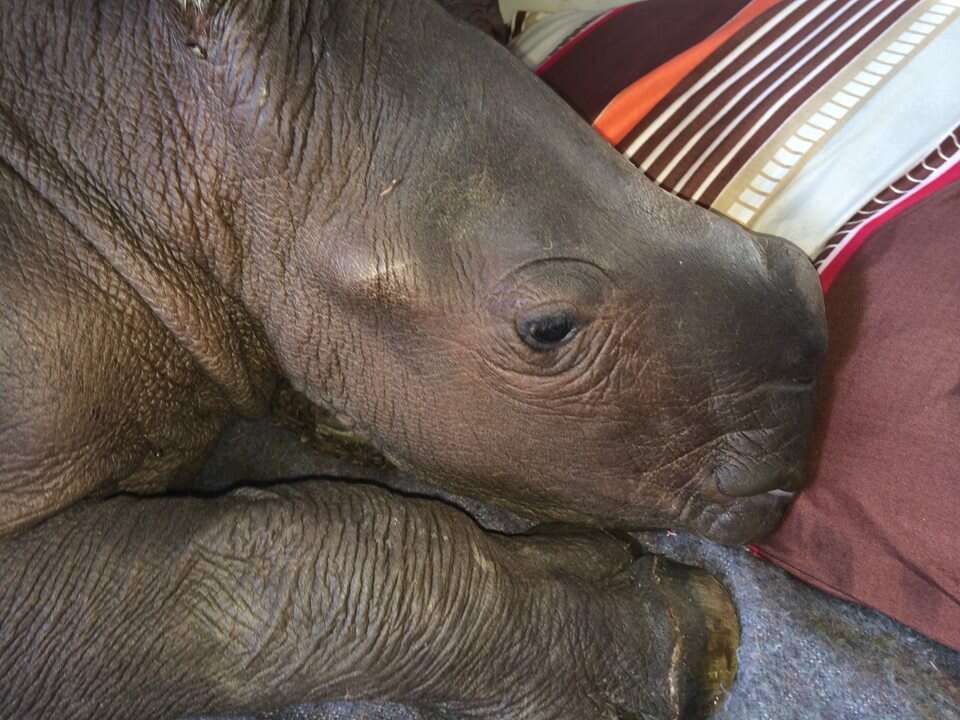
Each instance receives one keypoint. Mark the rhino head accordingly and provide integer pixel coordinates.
(447, 258)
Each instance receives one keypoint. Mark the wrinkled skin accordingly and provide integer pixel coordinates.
(201, 205)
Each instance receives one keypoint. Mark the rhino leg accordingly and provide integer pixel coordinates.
(259, 599)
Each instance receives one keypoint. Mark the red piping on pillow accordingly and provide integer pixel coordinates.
(830, 272)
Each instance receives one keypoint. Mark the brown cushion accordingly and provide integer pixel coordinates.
(881, 521)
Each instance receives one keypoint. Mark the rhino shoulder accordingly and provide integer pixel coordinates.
(96, 395)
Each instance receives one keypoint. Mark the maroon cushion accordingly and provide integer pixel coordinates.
(881, 521)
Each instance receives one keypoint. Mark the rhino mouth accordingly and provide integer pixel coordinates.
(772, 466)
(752, 476)
(747, 520)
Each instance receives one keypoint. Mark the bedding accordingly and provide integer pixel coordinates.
(835, 124)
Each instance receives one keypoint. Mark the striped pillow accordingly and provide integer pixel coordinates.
(808, 119)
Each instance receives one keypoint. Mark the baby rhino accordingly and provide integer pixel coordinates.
(202, 202)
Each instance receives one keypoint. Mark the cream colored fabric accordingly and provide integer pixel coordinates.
(882, 134)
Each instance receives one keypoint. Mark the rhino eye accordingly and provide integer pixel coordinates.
(547, 330)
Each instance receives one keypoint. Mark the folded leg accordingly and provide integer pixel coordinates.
(164, 607)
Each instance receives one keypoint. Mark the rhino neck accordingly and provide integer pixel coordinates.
(100, 117)
(307, 124)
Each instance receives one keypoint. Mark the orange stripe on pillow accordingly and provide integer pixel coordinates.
(632, 104)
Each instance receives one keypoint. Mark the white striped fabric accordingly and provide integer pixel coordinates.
(668, 113)
(890, 134)
(825, 117)
(845, 41)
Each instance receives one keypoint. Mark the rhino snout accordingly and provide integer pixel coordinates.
(798, 300)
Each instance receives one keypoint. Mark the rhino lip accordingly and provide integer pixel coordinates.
(770, 472)
(747, 520)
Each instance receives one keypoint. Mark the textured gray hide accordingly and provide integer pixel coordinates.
(804, 655)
